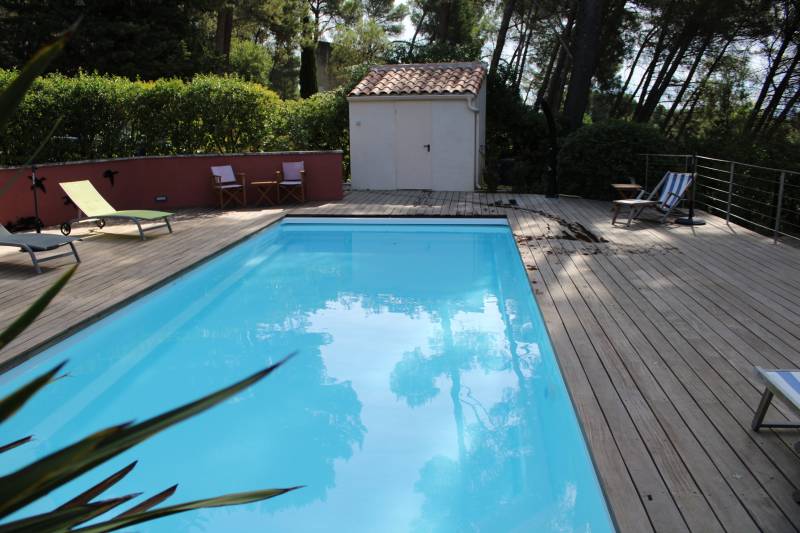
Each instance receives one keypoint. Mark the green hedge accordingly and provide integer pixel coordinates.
(597, 155)
(106, 117)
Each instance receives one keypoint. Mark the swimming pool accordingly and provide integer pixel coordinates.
(425, 395)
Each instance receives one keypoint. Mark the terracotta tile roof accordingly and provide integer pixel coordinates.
(428, 78)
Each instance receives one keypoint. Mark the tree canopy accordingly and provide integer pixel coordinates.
(718, 75)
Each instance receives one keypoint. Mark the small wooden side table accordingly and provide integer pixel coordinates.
(627, 190)
(267, 191)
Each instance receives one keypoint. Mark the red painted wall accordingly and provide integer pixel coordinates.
(185, 180)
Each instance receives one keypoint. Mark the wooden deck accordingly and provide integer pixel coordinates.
(657, 332)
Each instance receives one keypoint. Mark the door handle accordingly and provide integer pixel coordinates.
(428, 146)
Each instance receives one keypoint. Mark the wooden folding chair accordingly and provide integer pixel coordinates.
(291, 182)
(229, 188)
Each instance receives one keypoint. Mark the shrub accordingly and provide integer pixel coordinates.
(251, 61)
(106, 117)
(597, 155)
(227, 114)
(516, 138)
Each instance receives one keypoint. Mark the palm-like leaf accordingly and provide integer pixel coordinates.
(12, 403)
(39, 478)
(221, 501)
(150, 502)
(30, 314)
(64, 519)
(88, 495)
(19, 442)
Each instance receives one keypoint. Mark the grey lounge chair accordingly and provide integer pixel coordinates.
(34, 243)
(785, 384)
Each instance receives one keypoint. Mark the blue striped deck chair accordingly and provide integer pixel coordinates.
(670, 191)
(785, 384)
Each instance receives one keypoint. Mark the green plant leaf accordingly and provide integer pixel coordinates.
(64, 519)
(220, 501)
(36, 308)
(15, 92)
(14, 401)
(19, 442)
(149, 502)
(88, 495)
(39, 478)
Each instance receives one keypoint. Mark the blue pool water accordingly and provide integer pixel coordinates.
(425, 395)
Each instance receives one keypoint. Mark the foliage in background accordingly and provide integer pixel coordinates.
(364, 43)
(597, 155)
(516, 139)
(251, 61)
(720, 77)
(144, 40)
(108, 117)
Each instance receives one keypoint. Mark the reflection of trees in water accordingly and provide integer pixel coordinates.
(489, 486)
(462, 494)
(309, 420)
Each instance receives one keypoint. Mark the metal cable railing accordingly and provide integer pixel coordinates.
(764, 199)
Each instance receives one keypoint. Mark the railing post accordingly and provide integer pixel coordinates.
(730, 194)
(778, 210)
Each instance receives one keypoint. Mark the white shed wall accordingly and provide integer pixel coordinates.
(453, 146)
(457, 138)
(372, 141)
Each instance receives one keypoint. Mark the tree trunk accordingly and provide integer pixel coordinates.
(697, 60)
(784, 113)
(508, 10)
(546, 78)
(414, 37)
(308, 71)
(222, 36)
(443, 26)
(621, 96)
(523, 57)
(586, 52)
(664, 79)
(556, 89)
(644, 83)
(774, 101)
(768, 80)
(695, 97)
(523, 60)
(690, 113)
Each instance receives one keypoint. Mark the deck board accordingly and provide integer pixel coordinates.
(657, 332)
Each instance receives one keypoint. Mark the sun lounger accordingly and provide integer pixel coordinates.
(785, 384)
(34, 243)
(95, 208)
(670, 191)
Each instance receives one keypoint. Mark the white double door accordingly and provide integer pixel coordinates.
(414, 149)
